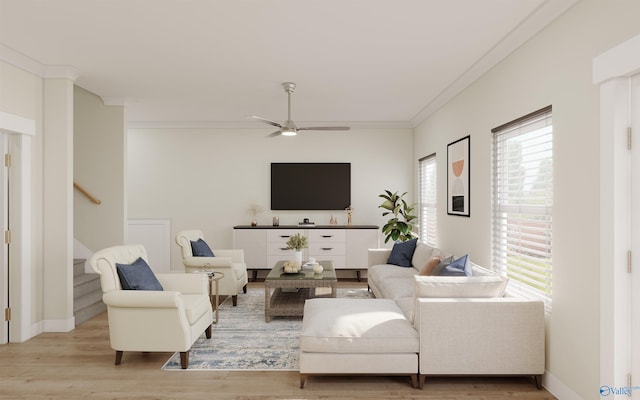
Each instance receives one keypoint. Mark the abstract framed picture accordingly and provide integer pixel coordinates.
(458, 177)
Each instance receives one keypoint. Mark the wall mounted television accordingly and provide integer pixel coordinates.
(310, 186)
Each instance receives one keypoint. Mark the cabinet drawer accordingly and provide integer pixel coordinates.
(279, 249)
(326, 235)
(282, 235)
(328, 248)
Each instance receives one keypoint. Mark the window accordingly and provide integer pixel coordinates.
(428, 200)
(523, 202)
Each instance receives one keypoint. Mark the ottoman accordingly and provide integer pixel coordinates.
(357, 336)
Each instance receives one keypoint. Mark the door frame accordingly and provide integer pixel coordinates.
(20, 132)
(612, 71)
(634, 315)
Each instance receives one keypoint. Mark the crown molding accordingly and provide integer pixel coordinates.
(28, 64)
(19, 60)
(61, 72)
(114, 101)
(258, 125)
(535, 22)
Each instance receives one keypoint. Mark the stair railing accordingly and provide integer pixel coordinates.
(84, 192)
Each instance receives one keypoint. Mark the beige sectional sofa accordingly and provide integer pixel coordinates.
(447, 325)
(467, 325)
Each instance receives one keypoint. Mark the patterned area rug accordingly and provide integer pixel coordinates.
(242, 340)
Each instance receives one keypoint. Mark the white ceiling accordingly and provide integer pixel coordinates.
(216, 62)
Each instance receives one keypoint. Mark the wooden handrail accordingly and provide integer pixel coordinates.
(84, 192)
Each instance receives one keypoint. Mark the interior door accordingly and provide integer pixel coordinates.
(634, 379)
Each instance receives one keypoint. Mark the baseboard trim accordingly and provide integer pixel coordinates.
(59, 325)
(557, 388)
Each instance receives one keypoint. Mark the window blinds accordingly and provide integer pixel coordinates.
(523, 204)
(428, 200)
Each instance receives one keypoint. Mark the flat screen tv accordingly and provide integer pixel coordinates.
(310, 186)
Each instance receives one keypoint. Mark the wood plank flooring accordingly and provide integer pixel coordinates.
(80, 365)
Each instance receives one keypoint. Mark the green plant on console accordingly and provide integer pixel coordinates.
(401, 226)
(297, 242)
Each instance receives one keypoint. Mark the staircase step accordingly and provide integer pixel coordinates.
(78, 266)
(85, 301)
(89, 312)
(86, 283)
(87, 293)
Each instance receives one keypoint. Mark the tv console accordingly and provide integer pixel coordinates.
(345, 246)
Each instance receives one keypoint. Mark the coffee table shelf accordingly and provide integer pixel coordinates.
(285, 294)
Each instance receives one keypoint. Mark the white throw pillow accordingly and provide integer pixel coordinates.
(421, 256)
(460, 286)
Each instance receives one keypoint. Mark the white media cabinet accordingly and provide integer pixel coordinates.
(345, 246)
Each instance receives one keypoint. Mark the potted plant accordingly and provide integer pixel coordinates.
(401, 226)
(297, 242)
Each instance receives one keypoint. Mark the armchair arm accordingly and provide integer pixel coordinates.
(378, 256)
(204, 262)
(142, 299)
(236, 255)
(185, 283)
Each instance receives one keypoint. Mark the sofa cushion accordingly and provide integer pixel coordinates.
(460, 286)
(369, 326)
(421, 255)
(200, 248)
(428, 268)
(385, 271)
(395, 288)
(406, 304)
(458, 267)
(137, 276)
(402, 253)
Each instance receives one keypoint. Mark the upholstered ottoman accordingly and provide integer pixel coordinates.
(357, 336)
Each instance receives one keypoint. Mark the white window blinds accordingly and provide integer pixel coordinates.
(523, 203)
(428, 200)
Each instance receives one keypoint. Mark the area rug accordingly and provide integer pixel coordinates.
(243, 341)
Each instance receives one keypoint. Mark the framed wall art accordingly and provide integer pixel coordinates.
(458, 177)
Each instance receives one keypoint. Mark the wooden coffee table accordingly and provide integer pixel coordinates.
(284, 294)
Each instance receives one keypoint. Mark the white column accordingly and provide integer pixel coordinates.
(58, 204)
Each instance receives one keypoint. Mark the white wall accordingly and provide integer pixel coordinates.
(553, 68)
(207, 178)
(99, 167)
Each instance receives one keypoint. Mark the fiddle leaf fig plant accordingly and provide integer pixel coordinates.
(401, 225)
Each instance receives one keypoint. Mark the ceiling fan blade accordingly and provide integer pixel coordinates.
(325, 128)
(274, 134)
(266, 121)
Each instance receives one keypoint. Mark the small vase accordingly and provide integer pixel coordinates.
(318, 269)
(298, 257)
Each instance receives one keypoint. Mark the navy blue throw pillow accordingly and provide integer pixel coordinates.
(200, 248)
(402, 253)
(137, 276)
(459, 267)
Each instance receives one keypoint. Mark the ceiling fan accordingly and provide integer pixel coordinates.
(289, 128)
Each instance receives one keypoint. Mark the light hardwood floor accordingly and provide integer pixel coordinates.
(80, 365)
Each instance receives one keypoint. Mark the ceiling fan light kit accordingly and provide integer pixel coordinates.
(289, 128)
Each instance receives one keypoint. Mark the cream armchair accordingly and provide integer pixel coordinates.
(143, 320)
(229, 262)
